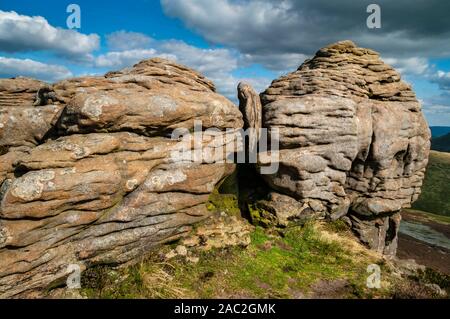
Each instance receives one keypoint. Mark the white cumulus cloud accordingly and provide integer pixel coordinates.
(409, 66)
(125, 40)
(216, 63)
(442, 79)
(273, 30)
(20, 33)
(10, 67)
(121, 59)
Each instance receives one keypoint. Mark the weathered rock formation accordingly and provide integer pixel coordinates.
(353, 140)
(88, 173)
(250, 107)
(92, 173)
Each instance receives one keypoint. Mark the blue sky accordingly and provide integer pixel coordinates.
(227, 40)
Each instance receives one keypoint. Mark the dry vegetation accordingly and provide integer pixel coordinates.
(315, 260)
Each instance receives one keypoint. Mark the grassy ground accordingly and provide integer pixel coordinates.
(441, 143)
(429, 216)
(307, 261)
(435, 196)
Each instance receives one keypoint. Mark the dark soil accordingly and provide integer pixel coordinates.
(437, 258)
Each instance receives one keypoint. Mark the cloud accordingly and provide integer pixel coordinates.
(410, 66)
(203, 60)
(129, 48)
(10, 67)
(216, 63)
(437, 109)
(273, 29)
(280, 35)
(280, 62)
(124, 40)
(227, 84)
(121, 59)
(442, 79)
(260, 84)
(437, 114)
(20, 33)
(207, 61)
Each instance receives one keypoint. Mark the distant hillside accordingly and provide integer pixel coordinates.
(435, 196)
(437, 131)
(441, 144)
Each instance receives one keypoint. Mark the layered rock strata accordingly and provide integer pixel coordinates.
(89, 170)
(100, 170)
(353, 140)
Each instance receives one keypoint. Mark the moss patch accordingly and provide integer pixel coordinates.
(261, 217)
(223, 203)
(224, 197)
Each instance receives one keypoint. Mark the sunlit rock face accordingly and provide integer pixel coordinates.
(90, 172)
(87, 171)
(353, 140)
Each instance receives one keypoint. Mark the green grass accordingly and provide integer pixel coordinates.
(273, 266)
(441, 143)
(435, 197)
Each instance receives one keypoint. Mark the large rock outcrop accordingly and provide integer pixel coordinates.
(91, 171)
(353, 140)
(88, 173)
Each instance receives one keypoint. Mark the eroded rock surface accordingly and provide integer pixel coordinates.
(250, 107)
(88, 173)
(353, 140)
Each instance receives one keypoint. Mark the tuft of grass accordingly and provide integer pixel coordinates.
(337, 226)
(433, 277)
(149, 280)
(417, 286)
